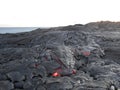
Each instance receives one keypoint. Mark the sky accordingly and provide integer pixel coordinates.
(53, 13)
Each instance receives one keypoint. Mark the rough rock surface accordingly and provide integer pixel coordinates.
(78, 57)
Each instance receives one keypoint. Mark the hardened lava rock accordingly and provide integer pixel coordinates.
(75, 57)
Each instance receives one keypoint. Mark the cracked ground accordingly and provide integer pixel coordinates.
(76, 57)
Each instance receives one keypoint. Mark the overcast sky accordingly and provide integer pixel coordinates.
(52, 13)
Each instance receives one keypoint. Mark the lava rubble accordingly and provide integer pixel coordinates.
(78, 57)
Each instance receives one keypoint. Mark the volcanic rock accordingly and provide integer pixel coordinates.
(75, 57)
(6, 85)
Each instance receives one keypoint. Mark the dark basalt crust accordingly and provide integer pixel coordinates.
(76, 57)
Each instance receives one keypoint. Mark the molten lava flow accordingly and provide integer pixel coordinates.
(56, 74)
